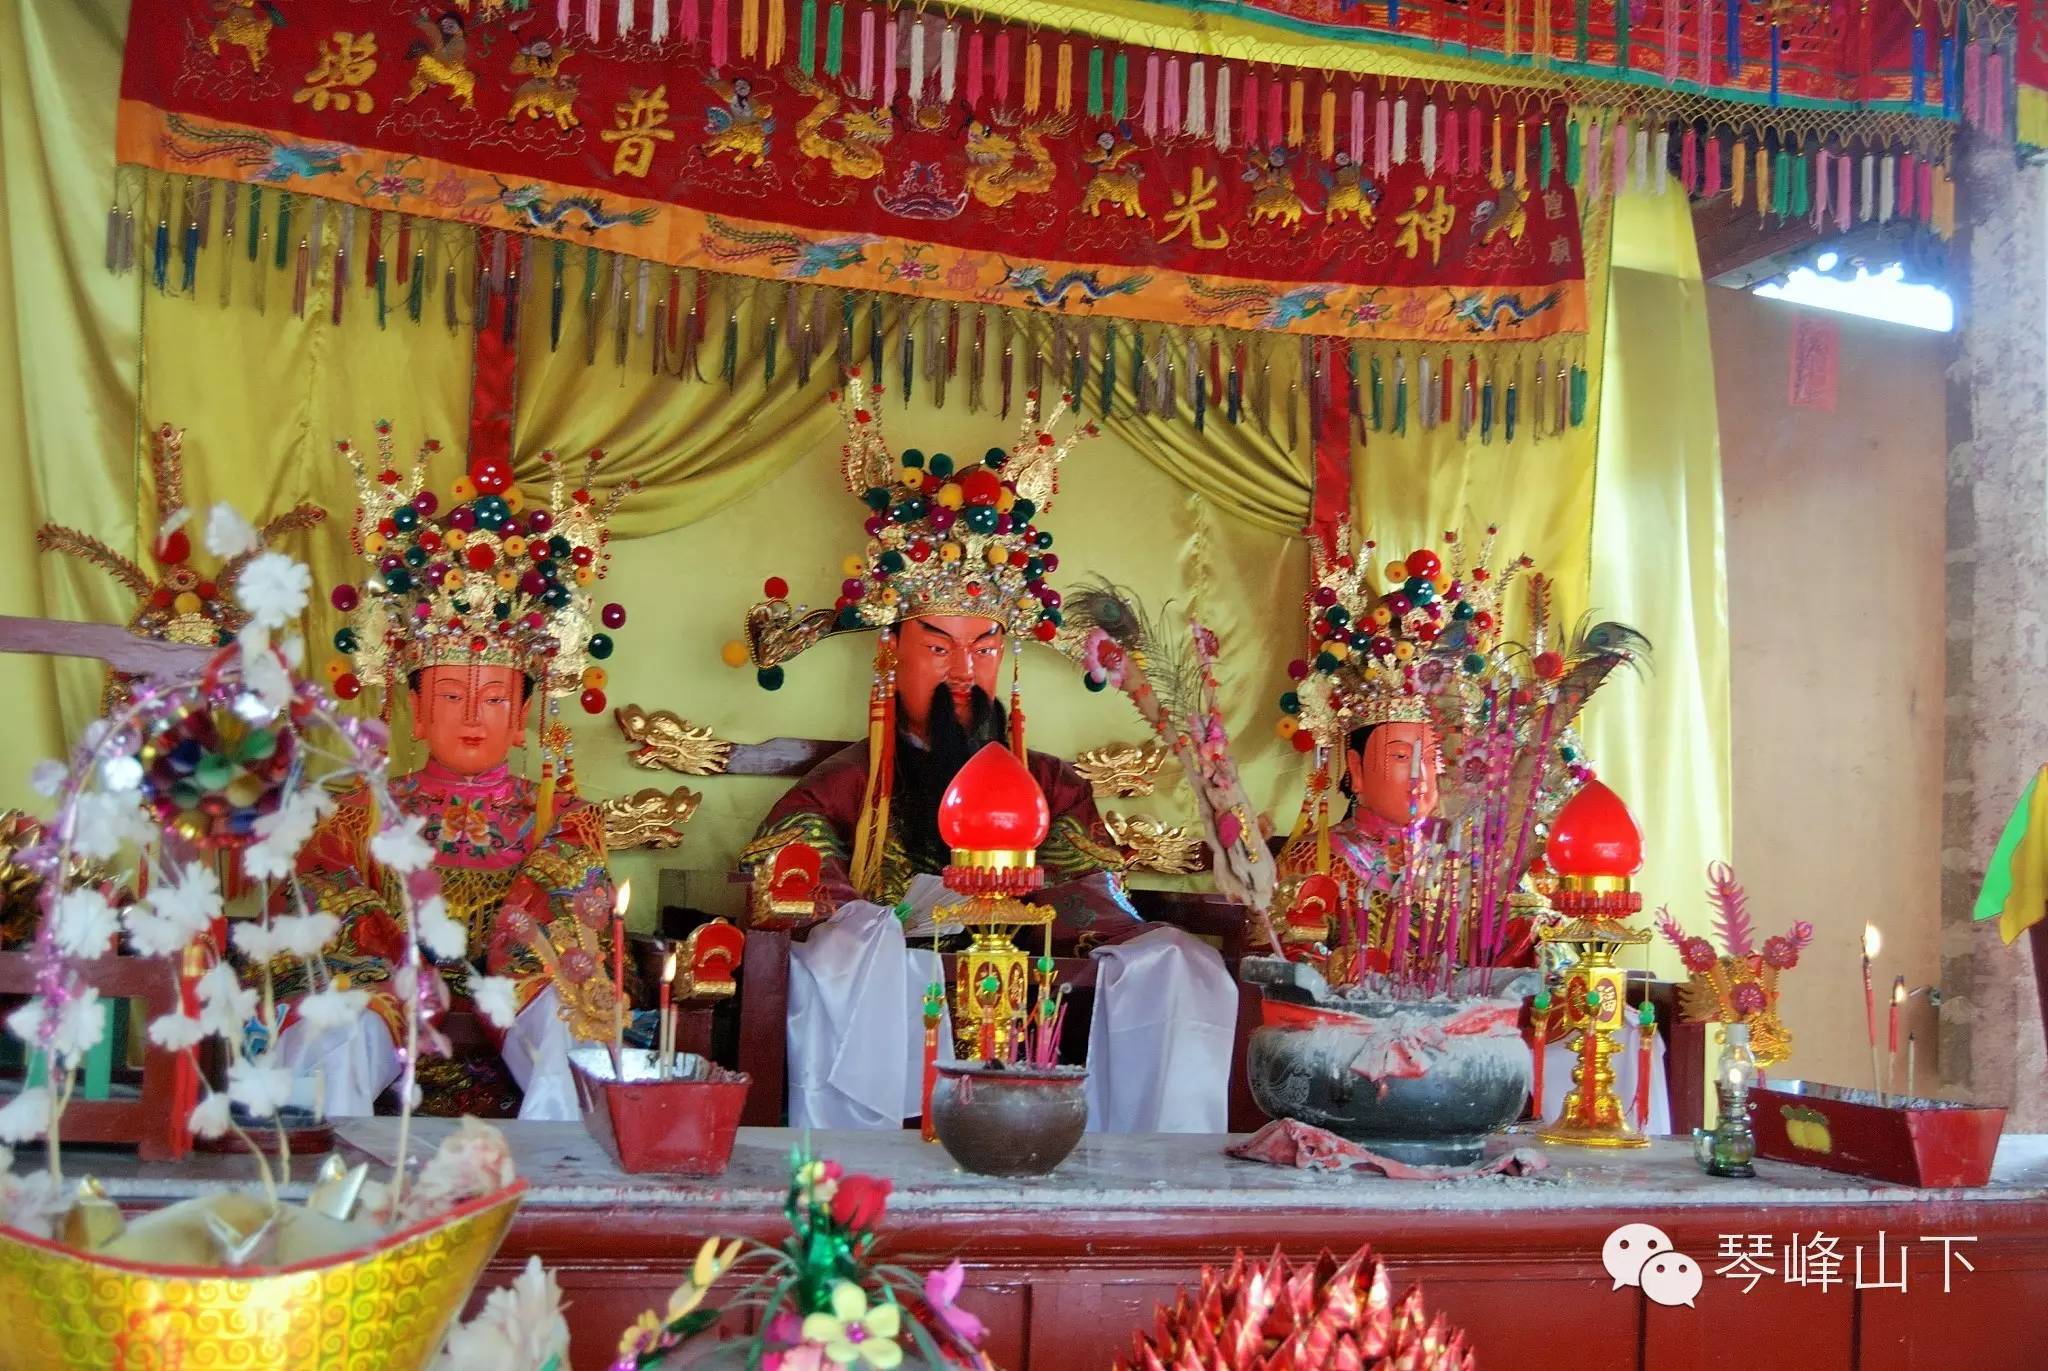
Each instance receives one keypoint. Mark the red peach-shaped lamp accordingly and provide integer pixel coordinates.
(994, 816)
(1595, 846)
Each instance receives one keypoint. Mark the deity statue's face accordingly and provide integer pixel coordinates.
(958, 651)
(470, 716)
(1394, 774)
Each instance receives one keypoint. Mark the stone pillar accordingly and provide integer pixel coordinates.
(1991, 1046)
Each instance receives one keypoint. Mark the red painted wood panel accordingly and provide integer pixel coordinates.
(1067, 1291)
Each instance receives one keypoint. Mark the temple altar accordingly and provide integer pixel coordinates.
(1065, 1269)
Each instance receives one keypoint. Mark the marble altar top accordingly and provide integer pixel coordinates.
(1106, 1174)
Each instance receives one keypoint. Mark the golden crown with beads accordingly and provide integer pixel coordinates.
(1402, 654)
(496, 581)
(944, 537)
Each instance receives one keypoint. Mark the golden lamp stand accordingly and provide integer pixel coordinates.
(1595, 1006)
(992, 981)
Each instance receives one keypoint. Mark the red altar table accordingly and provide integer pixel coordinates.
(1065, 1269)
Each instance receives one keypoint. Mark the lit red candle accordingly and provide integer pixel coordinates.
(664, 1038)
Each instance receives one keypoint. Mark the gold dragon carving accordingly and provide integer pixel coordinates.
(664, 741)
(1161, 848)
(648, 818)
(1124, 770)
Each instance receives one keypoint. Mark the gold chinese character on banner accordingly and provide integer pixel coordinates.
(347, 60)
(1420, 225)
(1186, 214)
(640, 118)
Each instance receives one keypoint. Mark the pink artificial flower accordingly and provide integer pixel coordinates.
(1781, 953)
(1698, 955)
(941, 1288)
(1748, 998)
(1103, 658)
(784, 1337)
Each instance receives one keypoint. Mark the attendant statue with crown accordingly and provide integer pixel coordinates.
(954, 580)
(1426, 713)
(471, 618)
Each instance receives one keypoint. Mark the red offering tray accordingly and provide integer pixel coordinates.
(682, 1126)
(1898, 1138)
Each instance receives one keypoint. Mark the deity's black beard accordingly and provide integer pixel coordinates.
(923, 773)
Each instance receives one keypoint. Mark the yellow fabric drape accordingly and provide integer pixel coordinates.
(1408, 489)
(1661, 737)
(67, 355)
(694, 445)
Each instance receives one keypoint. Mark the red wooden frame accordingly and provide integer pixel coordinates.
(150, 1121)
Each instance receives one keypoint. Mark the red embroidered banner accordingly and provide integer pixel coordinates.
(893, 151)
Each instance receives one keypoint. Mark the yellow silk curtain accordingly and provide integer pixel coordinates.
(741, 481)
(67, 353)
(1661, 737)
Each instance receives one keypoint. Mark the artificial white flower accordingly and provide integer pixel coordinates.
(262, 1090)
(32, 1202)
(255, 940)
(402, 846)
(280, 834)
(494, 998)
(79, 1025)
(228, 534)
(47, 778)
(26, 1117)
(444, 937)
(152, 935)
(85, 923)
(333, 1008)
(176, 1032)
(105, 821)
(472, 1161)
(268, 680)
(272, 587)
(210, 1117)
(189, 897)
(304, 935)
(121, 774)
(225, 1005)
(520, 1328)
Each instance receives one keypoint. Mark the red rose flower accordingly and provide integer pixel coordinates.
(859, 1201)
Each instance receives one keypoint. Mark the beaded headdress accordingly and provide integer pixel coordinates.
(178, 602)
(497, 581)
(945, 536)
(1410, 653)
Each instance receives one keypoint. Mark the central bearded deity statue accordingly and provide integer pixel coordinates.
(954, 579)
(471, 619)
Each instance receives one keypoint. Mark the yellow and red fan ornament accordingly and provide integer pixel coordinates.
(178, 601)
